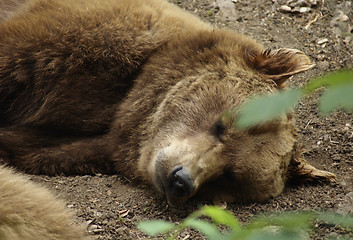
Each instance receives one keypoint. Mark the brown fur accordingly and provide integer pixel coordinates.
(138, 87)
(30, 212)
(9, 8)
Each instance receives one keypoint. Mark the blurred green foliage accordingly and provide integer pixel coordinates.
(263, 108)
(284, 226)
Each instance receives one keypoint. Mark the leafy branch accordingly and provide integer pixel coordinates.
(285, 226)
(263, 108)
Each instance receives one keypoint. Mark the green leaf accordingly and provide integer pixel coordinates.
(221, 216)
(289, 221)
(336, 219)
(267, 107)
(337, 97)
(279, 235)
(209, 230)
(329, 80)
(155, 227)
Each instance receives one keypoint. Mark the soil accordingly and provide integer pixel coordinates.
(111, 206)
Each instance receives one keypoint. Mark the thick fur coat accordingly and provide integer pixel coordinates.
(142, 88)
(30, 212)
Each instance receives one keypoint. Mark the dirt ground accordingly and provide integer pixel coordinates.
(110, 206)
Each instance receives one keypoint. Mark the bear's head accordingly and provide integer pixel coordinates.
(196, 147)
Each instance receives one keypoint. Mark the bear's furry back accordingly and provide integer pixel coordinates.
(79, 56)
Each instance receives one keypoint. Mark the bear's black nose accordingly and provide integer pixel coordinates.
(180, 183)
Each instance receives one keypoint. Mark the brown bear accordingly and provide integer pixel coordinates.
(141, 88)
(30, 212)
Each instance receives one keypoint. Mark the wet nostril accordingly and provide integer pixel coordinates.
(180, 182)
(177, 169)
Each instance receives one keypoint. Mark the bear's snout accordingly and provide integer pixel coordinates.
(177, 185)
(180, 183)
(179, 169)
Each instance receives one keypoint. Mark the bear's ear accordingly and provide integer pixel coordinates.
(278, 65)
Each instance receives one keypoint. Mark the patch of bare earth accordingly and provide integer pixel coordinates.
(111, 206)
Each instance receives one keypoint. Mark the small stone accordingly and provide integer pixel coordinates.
(313, 2)
(285, 8)
(98, 230)
(322, 41)
(342, 17)
(92, 227)
(304, 9)
(347, 39)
